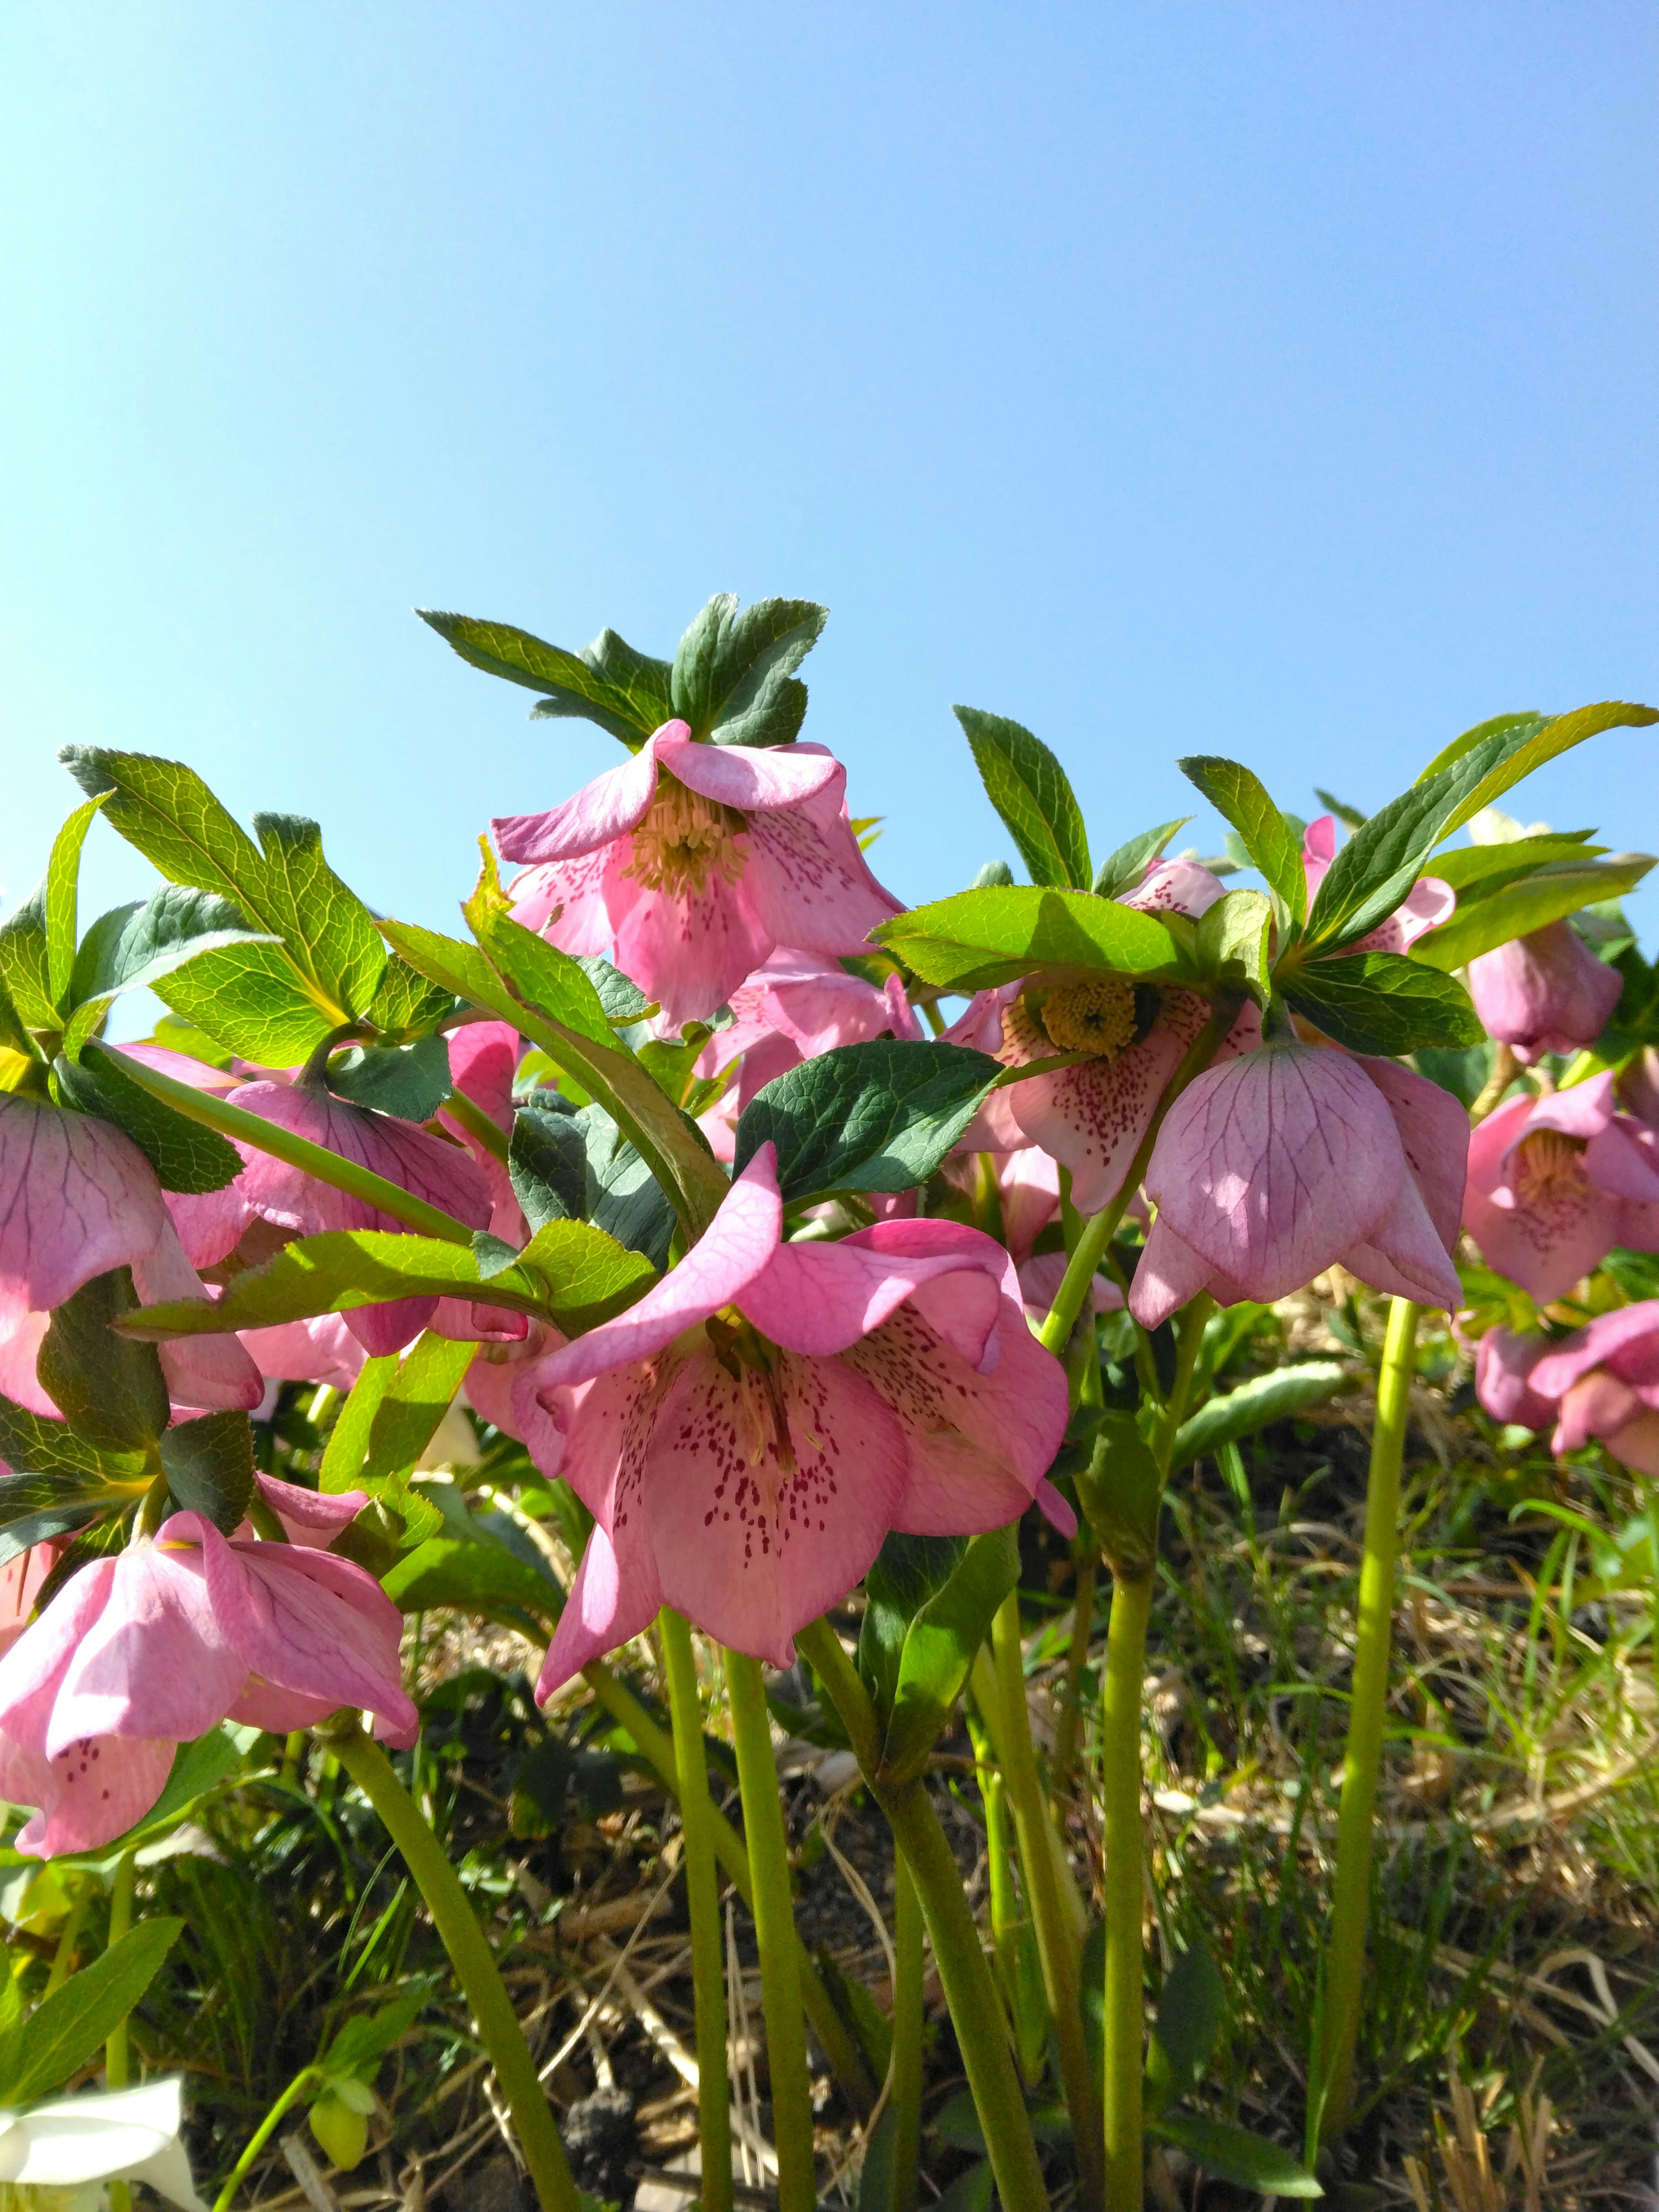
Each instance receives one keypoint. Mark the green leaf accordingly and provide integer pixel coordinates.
(1349, 816)
(734, 672)
(14, 1037)
(25, 968)
(1033, 794)
(43, 2052)
(184, 1156)
(252, 1000)
(348, 1441)
(939, 1645)
(1526, 749)
(133, 948)
(877, 1116)
(1492, 866)
(198, 1768)
(1192, 2011)
(1234, 2154)
(62, 890)
(108, 1388)
(1513, 728)
(366, 2037)
(1233, 937)
(579, 1276)
(1255, 1404)
(547, 1163)
(1383, 1002)
(543, 975)
(473, 1577)
(1520, 907)
(1465, 1073)
(414, 1401)
(209, 1467)
(982, 938)
(1121, 1490)
(1122, 870)
(406, 1006)
(410, 1081)
(620, 1194)
(595, 685)
(282, 885)
(1241, 799)
(620, 995)
(994, 873)
(30, 1444)
(45, 1527)
(905, 1573)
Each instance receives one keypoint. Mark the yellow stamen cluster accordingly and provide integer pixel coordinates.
(682, 838)
(1097, 1015)
(1548, 1168)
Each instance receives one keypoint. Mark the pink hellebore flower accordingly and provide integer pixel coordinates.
(1428, 904)
(1605, 1383)
(1503, 1362)
(1555, 1182)
(1271, 1165)
(1544, 993)
(483, 1058)
(794, 1006)
(747, 1434)
(697, 861)
(149, 1649)
(20, 1583)
(1089, 1118)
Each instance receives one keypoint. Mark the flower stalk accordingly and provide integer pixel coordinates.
(905, 2103)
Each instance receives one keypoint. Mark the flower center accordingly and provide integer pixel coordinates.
(1103, 1015)
(683, 837)
(1549, 1169)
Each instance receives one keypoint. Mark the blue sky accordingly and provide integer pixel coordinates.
(1267, 378)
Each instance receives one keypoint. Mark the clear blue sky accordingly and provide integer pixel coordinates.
(1173, 375)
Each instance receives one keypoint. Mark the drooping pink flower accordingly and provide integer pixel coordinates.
(1556, 1182)
(1428, 904)
(144, 1651)
(1040, 1280)
(1546, 991)
(1092, 1116)
(1271, 1165)
(209, 1223)
(1604, 1382)
(795, 1006)
(1503, 1362)
(696, 860)
(21, 1579)
(749, 1432)
(483, 1058)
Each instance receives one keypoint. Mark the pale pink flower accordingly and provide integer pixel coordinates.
(1503, 1362)
(1040, 1280)
(1271, 1165)
(320, 1350)
(1604, 1381)
(1546, 991)
(794, 1006)
(1555, 1182)
(1428, 904)
(696, 861)
(149, 1649)
(483, 1058)
(21, 1579)
(749, 1432)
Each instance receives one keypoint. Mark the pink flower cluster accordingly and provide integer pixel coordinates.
(1599, 1384)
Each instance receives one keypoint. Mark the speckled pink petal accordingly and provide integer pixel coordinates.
(601, 811)
(76, 1199)
(156, 1662)
(442, 1174)
(807, 883)
(817, 1298)
(691, 950)
(89, 1792)
(564, 902)
(1092, 1118)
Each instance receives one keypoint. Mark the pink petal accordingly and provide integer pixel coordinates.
(1175, 887)
(1170, 1273)
(1425, 905)
(1029, 1182)
(766, 1498)
(1586, 1110)
(32, 1669)
(1092, 1118)
(307, 1620)
(1597, 1405)
(1318, 849)
(209, 1373)
(601, 811)
(89, 1792)
(280, 1711)
(969, 1307)
(182, 1067)
(691, 950)
(1555, 1229)
(1610, 1336)
(1619, 1162)
(1434, 1135)
(1271, 1166)
(605, 1430)
(310, 1516)
(76, 1199)
(609, 1604)
(1055, 1510)
(819, 1298)
(564, 902)
(807, 883)
(442, 1174)
(750, 777)
(464, 1321)
(322, 1350)
(210, 1224)
(1637, 1444)
(731, 1252)
(22, 1329)
(1039, 1287)
(389, 1326)
(1505, 1364)
(773, 1056)
(156, 1662)
(21, 1580)
(1546, 991)
(1404, 1254)
(483, 1058)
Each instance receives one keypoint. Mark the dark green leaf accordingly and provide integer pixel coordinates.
(971, 2191)
(625, 702)
(14, 1037)
(406, 1006)
(939, 1646)
(210, 1468)
(1481, 924)
(410, 1081)
(1122, 870)
(547, 1161)
(1191, 2010)
(45, 1527)
(620, 995)
(620, 1194)
(1233, 2155)
(184, 1156)
(1233, 937)
(476, 1577)
(1514, 729)
(906, 1572)
(732, 674)
(1033, 794)
(1383, 1002)
(1241, 799)
(108, 1388)
(1121, 1493)
(982, 938)
(1349, 816)
(1256, 1404)
(42, 2054)
(878, 1116)
(1464, 1073)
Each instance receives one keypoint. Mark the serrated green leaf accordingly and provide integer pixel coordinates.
(1241, 798)
(734, 672)
(1514, 727)
(1031, 791)
(31, 1445)
(547, 1163)
(620, 995)
(1121, 871)
(981, 938)
(1383, 1002)
(250, 1000)
(406, 1006)
(46, 2052)
(14, 1035)
(25, 1498)
(938, 1648)
(542, 974)
(134, 948)
(209, 1467)
(1233, 937)
(1255, 1404)
(414, 1401)
(878, 1116)
(110, 1389)
(1234, 2154)
(1526, 749)
(410, 1081)
(620, 1194)
(184, 1156)
(43, 1526)
(1349, 816)
(571, 683)
(1520, 907)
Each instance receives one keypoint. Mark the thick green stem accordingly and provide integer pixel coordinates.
(307, 2079)
(905, 2103)
(1120, 1807)
(234, 1122)
(63, 1957)
(963, 1970)
(474, 1963)
(1056, 1947)
(703, 1902)
(477, 1123)
(774, 1932)
(117, 2053)
(1331, 2080)
(658, 1746)
(1070, 1718)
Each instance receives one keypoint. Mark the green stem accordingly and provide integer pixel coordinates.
(1056, 1947)
(63, 1957)
(117, 2050)
(236, 1122)
(774, 1932)
(306, 2079)
(1071, 1711)
(702, 1899)
(1331, 2082)
(963, 1970)
(905, 2103)
(1120, 1808)
(474, 1963)
(658, 1746)
(477, 1123)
